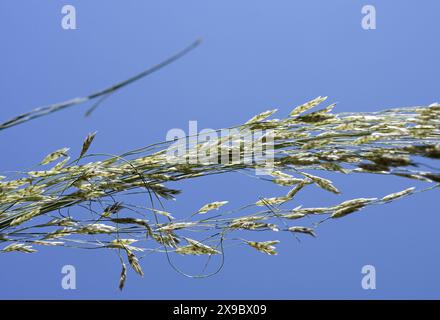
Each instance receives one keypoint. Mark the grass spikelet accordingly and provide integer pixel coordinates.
(342, 212)
(176, 226)
(64, 232)
(260, 117)
(55, 156)
(122, 277)
(163, 213)
(129, 220)
(86, 144)
(134, 262)
(307, 211)
(19, 247)
(323, 183)
(123, 244)
(398, 195)
(239, 222)
(112, 209)
(304, 230)
(297, 188)
(286, 182)
(168, 239)
(96, 228)
(294, 215)
(48, 243)
(120, 243)
(271, 201)
(196, 248)
(351, 206)
(25, 217)
(368, 138)
(284, 179)
(57, 168)
(266, 247)
(63, 222)
(281, 200)
(212, 206)
(306, 106)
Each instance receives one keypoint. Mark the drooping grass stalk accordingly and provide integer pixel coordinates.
(100, 95)
(43, 207)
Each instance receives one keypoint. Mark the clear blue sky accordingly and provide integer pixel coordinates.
(256, 55)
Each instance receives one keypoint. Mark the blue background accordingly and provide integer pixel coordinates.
(256, 55)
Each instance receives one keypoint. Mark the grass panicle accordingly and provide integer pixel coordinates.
(46, 207)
